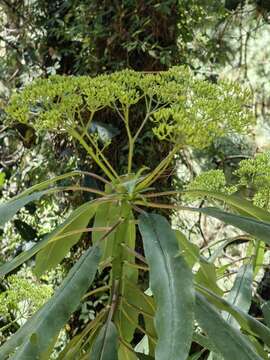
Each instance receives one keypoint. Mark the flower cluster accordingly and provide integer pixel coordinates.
(254, 174)
(185, 109)
(212, 180)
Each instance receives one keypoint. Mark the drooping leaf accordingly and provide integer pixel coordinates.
(105, 345)
(144, 305)
(172, 286)
(58, 232)
(44, 184)
(258, 256)
(34, 193)
(241, 205)
(247, 322)
(241, 292)
(36, 336)
(228, 340)
(55, 251)
(74, 347)
(257, 228)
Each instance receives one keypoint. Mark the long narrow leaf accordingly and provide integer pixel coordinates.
(36, 335)
(55, 251)
(257, 228)
(247, 322)
(172, 286)
(60, 230)
(240, 204)
(10, 208)
(228, 340)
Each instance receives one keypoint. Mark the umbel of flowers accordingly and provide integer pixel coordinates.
(184, 109)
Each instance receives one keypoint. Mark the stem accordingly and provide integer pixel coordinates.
(151, 316)
(102, 156)
(135, 253)
(158, 170)
(148, 113)
(136, 266)
(95, 291)
(90, 151)
(130, 140)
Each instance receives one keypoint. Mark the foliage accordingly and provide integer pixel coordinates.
(180, 291)
(65, 37)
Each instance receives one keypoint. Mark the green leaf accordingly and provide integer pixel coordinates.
(10, 208)
(55, 251)
(257, 228)
(247, 322)
(204, 341)
(171, 282)
(74, 347)
(228, 340)
(241, 292)
(58, 232)
(105, 345)
(242, 205)
(36, 336)
(145, 306)
(107, 215)
(207, 276)
(190, 251)
(126, 317)
(46, 183)
(258, 256)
